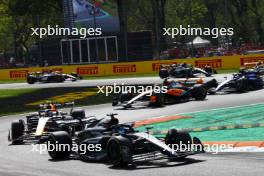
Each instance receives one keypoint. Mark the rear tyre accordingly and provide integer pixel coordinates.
(163, 73)
(177, 140)
(78, 113)
(242, 85)
(125, 97)
(61, 79)
(115, 101)
(199, 92)
(17, 131)
(31, 80)
(61, 138)
(160, 100)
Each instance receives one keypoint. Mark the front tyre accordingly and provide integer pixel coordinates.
(179, 141)
(199, 92)
(16, 132)
(119, 151)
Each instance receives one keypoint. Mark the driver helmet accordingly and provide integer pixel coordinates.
(52, 107)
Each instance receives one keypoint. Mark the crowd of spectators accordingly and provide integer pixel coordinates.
(10, 63)
(209, 51)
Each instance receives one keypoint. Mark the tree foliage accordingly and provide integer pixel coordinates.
(245, 16)
(18, 16)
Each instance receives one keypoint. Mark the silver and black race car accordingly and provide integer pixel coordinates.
(48, 119)
(51, 76)
(121, 144)
(184, 71)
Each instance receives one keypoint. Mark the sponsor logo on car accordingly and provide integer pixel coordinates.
(18, 74)
(124, 68)
(250, 59)
(214, 63)
(156, 66)
(87, 70)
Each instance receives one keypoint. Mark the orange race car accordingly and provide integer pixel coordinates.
(176, 92)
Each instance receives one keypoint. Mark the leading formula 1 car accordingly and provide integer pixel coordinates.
(184, 71)
(51, 76)
(244, 81)
(176, 92)
(48, 119)
(121, 144)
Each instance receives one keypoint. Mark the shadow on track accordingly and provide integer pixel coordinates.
(160, 164)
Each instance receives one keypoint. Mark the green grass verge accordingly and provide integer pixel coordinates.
(26, 100)
(222, 71)
(9, 93)
(12, 81)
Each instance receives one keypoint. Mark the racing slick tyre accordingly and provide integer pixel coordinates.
(119, 151)
(199, 92)
(31, 80)
(66, 128)
(198, 145)
(61, 138)
(210, 84)
(178, 139)
(125, 97)
(17, 131)
(115, 101)
(163, 73)
(242, 85)
(78, 113)
(61, 79)
(160, 100)
(255, 84)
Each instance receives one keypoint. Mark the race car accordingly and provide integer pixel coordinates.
(258, 67)
(51, 76)
(48, 119)
(121, 145)
(244, 81)
(175, 93)
(184, 71)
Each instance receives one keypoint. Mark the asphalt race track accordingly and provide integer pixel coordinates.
(99, 82)
(19, 160)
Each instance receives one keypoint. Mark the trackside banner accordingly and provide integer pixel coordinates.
(125, 68)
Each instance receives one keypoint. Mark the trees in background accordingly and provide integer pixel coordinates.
(245, 16)
(18, 16)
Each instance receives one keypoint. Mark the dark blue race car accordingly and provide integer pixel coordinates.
(241, 82)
